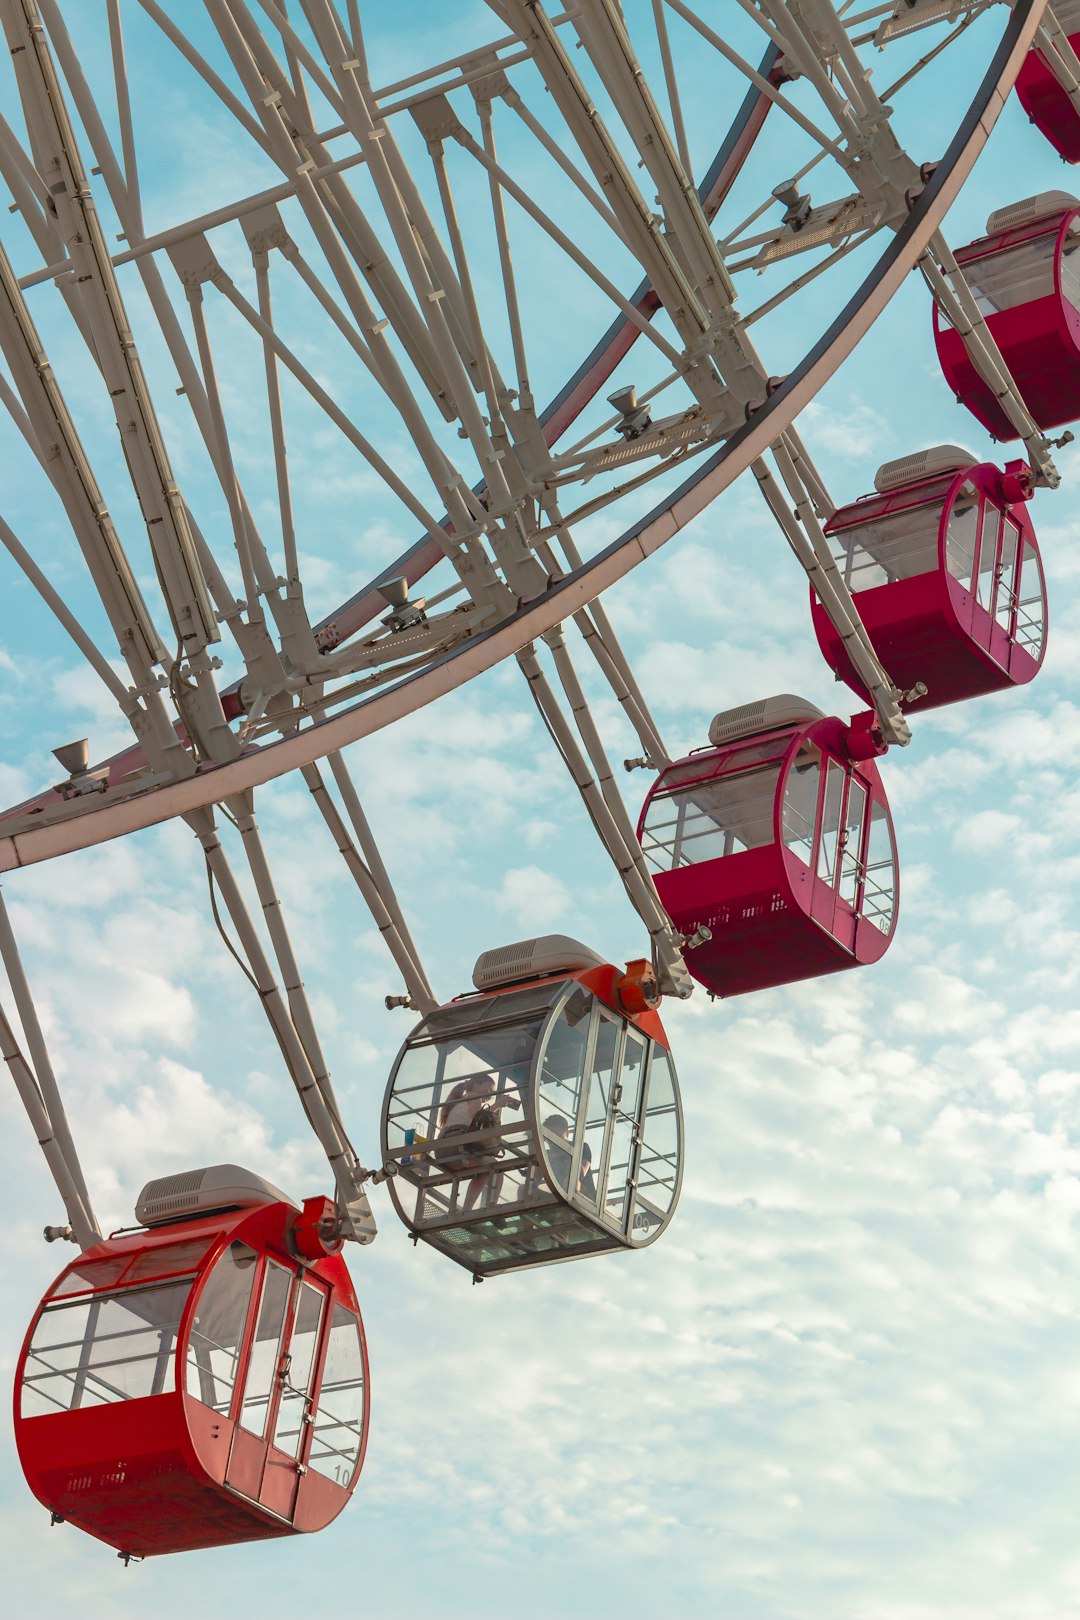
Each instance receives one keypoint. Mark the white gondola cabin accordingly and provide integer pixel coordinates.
(539, 1119)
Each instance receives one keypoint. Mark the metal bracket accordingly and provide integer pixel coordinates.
(194, 261)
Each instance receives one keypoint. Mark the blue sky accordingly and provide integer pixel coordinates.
(845, 1382)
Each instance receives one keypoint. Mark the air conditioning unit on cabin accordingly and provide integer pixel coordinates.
(202, 1192)
(922, 464)
(533, 959)
(1028, 210)
(767, 715)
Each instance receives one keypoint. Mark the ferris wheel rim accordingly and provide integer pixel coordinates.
(214, 783)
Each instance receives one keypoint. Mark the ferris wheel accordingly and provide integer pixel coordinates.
(709, 216)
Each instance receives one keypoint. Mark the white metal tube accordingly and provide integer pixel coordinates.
(400, 948)
(81, 1219)
(39, 1054)
(674, 977)
(325, 1125)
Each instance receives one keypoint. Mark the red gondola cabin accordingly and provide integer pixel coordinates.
(1025, 277)
(1044, 100)
(201, 1382)
(778, 840)
(945, 571)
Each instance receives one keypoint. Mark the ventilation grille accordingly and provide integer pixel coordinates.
(202, 1192)
(923, 464)
(766, 715)
(532, 959)
(1029, 209)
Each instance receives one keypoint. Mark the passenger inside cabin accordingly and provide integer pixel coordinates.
(456, 1117)
(474, 1105)
(586, 1180)
(559, 1157)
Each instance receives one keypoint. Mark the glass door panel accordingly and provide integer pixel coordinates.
(620, 1165)
(851, 864)
(299, 1365)
(266, 1349)
(988, 556)
(830, 824)
(823, 897)
(1005, 600)
(851, 852)
(592, 1143)
(601, 1100)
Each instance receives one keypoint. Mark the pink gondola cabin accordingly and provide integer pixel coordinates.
(945, 572)
(773, 848)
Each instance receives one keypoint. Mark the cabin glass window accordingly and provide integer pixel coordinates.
(1070, 264)
(1005, 602)
(960, 539)
(475, 1053)
(168, 1260)
(217, 1328)
(708, 764)
(298, 1371)
(800, 803)
(1017, 275)
(1030, 603)
(658, 1152)
(851, 869)
(722, 817)
(112, 1347)
(338, 1429)
(87, 1274)
(830, 823)
(898, 545)
(988, 548)
(879, 888)
(265, 1348)
(562, 1071)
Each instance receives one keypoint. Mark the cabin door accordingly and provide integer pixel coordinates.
(272, 1438)
(839, 865)
(291, 1419)
(996, 585)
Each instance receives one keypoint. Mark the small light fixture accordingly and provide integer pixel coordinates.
(74, 757)
(403, 613)
(796, 206)
(635, 418)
